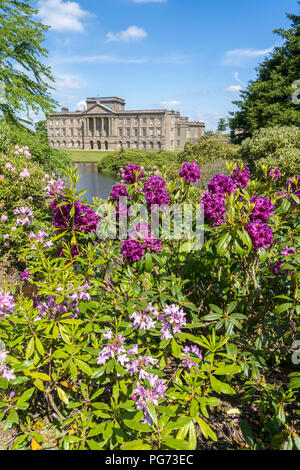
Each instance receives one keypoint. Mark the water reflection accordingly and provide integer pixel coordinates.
(97, 185)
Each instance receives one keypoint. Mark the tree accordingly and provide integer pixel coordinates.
(24, 78)
(222, 125)
(41, 129)
(267, 101)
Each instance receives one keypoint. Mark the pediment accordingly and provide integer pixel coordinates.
(99, 109)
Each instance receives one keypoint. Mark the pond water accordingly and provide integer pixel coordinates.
(97, 184)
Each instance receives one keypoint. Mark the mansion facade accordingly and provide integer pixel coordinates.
(107, 125)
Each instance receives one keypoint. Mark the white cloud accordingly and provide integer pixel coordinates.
(242, 56)
(234, 89)
(81, 106)
(133, 33)
(68, 82)
(97, 59)
(171, 104)
(62, 16)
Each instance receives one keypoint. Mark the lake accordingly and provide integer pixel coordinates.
(97, 184)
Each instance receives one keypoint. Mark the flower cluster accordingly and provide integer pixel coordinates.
(190, 352)
(155, 191)
(23, 151)
(115, 348)
(85, 218)
(39, 238)
(132, 173)
(214, 207)
(140, 241)
(221, 184)
(118, 191)
(173, 319)
(7, 303)
(47, 306)
(277, 266)
(153, 390)
(142, 320)
(24, 174)
(261, 234)
(5, 372)
(241, 177)
(275, 174)
(263, 209)
(24, 214)
(190, 172)
(55, 187)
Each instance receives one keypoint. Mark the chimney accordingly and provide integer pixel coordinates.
(64, 110)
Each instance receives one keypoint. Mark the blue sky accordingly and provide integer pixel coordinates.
(190, 55)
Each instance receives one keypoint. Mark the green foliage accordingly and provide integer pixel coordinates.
(70, 345)
(222, 125)
(51, 159)
(112, 162)
(267, 101)
(277, 147)
(25, 78)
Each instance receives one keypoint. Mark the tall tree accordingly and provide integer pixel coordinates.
(222, 125)
(267, 101)
(24, 78)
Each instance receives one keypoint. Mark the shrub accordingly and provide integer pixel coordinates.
(131, 344)
(207, 151)
(114, 161)
(51, 159)
(275, 147)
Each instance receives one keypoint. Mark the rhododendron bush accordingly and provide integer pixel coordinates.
(139, 343)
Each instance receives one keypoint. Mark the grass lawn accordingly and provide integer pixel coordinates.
(87, 156)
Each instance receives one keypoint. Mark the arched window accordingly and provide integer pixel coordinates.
(151, 145)
(58, 144)
(144, 145)
(128, 145)
(78, 143)
(64, 143)
(92, 145)
(106, 145)
(120, 145)
(135, 145)
(99, 145)
(159, 145)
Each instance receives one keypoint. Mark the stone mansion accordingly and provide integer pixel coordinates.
(107, 125)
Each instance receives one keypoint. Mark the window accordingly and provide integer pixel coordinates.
(72, 143)
(144, 145)
(151, 146)
(128, 121)
(57, 131)
(71, 132)
(120, 132)
(159, 120)
(136, 121)
(135, 145)
(50, 123)
(57, 122)
(78, 143)
(120, 122)
(144, 120)
(58, 144)
(151, 131)
(78, 131)
(128, 145)
(172, 143)
(135, 132)
(128, 132)
(159, 145)
(152, 121)
(71, 122)
(178, 143)
(178, 131)
(159, 131)
(172, 129)
(64, 122)
(144, 131)
(64, 131)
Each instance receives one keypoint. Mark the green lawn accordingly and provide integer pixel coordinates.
(87, 156)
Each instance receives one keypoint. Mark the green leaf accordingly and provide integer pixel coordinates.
(247, 432)
(221, 387)
(83, 366)
(177, 444)
(206, 429)
(137, 426)
(29, 349)
(62, 395)
(135, 445)
(176, 351)
(223, 244)
(151, 411)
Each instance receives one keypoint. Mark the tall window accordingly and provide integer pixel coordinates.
(120, 132)
(178, 131)
(159, 132)
(144, 132)
(159, 145)
(128, 132)
(135, 132)
(144, 145)
(151, 131)
(136, 121)
(128, 121)
(144, 120)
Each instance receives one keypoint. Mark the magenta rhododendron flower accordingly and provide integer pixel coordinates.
(85, 218)
(241, 177)
(117, 191)
(261, 234)
(132, 173)
(7, 303)
(155, 191)
(221, 184)
(275, 174)
(263, 209)
(132, 250)
(190, 172)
